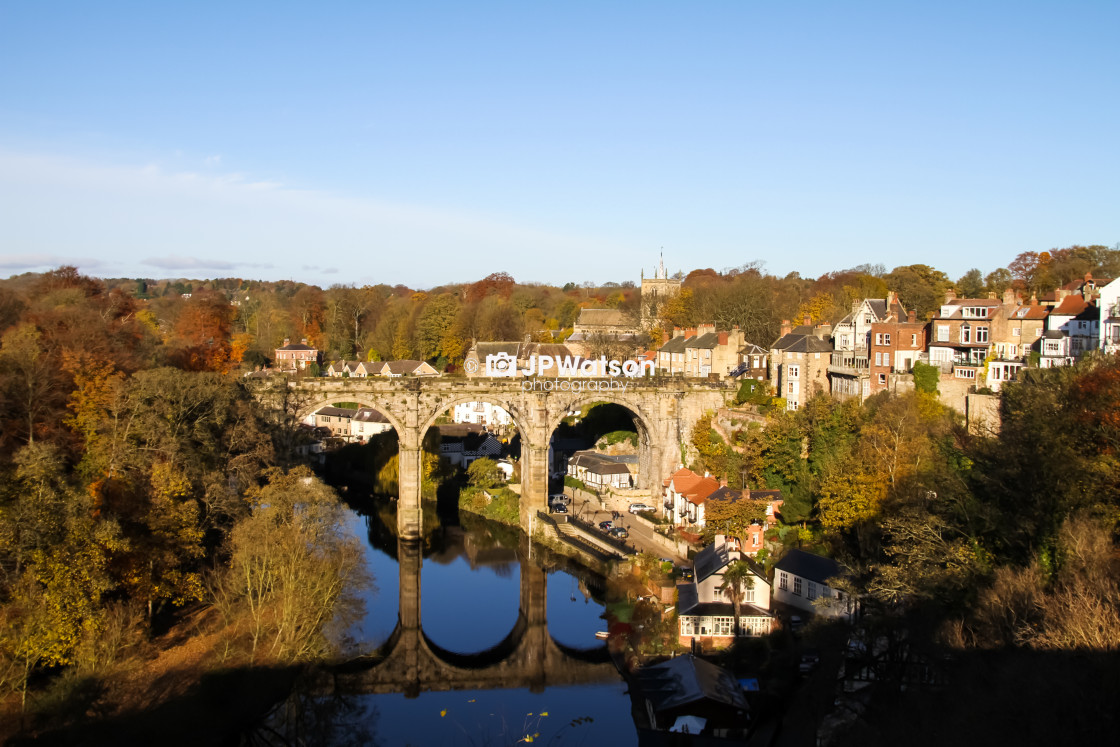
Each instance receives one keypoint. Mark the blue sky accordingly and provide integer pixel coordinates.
(424, 142)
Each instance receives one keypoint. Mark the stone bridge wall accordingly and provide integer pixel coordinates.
(665, 412)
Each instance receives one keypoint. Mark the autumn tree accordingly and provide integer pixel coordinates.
(295, 576)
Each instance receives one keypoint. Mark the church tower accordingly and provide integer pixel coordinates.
(656, 291)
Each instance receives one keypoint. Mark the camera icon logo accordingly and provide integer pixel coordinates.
(502, 364)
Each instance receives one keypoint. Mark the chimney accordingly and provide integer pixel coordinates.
(1034, 300)
(1061, 293)
(890, 300)
(1009, 296)
(992, 295)
(911, 316)
(824, 331)
(786, 328)
(808, 320)
(723, 482)
(950, 295)
(303, 341)
(286, 342)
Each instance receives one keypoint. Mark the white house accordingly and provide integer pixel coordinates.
(602, 469)
(705, 611)
(368, 422)
(801, 579)
(480, 413)
(1109, 305)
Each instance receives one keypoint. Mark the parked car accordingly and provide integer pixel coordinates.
(809, 660)
(558, 508)
(560, 498)
(639, 507)
(619, 533)
(685, 573)
(605, 525)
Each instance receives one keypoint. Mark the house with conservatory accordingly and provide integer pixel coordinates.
(705, 611)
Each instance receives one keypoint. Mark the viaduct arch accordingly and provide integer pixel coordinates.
(411, 663)
(664, 412)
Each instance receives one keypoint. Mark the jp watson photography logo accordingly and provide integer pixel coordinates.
(584, 370)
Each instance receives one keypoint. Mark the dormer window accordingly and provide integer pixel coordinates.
(975, 312)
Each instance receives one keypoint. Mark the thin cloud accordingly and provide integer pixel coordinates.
(39, 261)
(173, 262)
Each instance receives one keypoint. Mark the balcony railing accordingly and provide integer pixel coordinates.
(849, 364)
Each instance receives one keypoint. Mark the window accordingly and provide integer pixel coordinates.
(1016, 332)
(913, 341)
(882, 338)
(783, 581)
(686, 626)
(966, 333)
(882, 378)
(878, 359)
(812, 591)
(797, 585)
(975, 312)
(792, 387)
(981, 334)
(793, 372)
(868, 320)
(748, 595)
(942, 332)
(965, 373)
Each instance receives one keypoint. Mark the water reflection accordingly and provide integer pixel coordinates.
(465, 626)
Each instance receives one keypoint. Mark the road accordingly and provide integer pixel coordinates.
(590, 508)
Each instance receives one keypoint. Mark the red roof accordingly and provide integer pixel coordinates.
(692, 486)
(1071, 305)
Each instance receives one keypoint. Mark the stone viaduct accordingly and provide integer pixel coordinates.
(528, 657)
(664, 412)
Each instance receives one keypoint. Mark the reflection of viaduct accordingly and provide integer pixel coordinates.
(663, 414)
(527, 658)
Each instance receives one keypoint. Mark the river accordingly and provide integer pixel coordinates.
(470, 588)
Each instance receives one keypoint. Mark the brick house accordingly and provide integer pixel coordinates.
(895, 347)
(295, 357)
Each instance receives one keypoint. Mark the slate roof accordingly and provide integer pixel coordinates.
(343, 412)
(687, 680)
(709, 341)
(600, 464)
(676, 345)
(715, 557)
(399, 368)
(369, 415)
(796, 342)
(809, 566)
(483, 349)
(602, 318)
(296, 346)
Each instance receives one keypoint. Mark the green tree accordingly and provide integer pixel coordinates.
(737, 578)
(484, 473)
